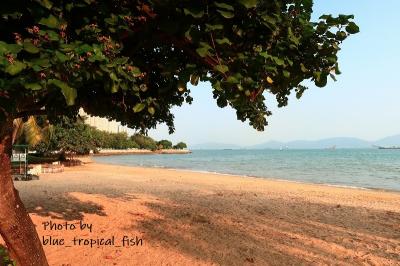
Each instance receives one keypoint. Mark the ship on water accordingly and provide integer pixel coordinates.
(388, 148)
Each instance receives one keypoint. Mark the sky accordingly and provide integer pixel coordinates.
(363, 103)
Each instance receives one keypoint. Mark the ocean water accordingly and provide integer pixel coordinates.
(363, 168)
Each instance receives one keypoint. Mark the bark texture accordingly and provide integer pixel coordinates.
(16, 227)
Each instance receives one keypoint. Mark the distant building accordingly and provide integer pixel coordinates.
(103, 123)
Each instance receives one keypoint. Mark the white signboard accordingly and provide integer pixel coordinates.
(18, 157)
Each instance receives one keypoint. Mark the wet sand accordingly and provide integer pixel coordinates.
(188, 218)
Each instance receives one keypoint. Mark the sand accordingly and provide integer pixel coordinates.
(187, 218)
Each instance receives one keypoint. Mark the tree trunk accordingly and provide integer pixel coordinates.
(16, 227)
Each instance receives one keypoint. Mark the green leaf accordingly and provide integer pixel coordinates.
(30, 48)
(232, 79)
(341, 35)
(42, 62)
(337, 70)
(195, 14)
(136, 71)
(83, 49)
(286, 74)
(33, 86)
(51, 22)
(203, 51)
(278, 61)
(113, 76)
(249, 3)
(292, 37)
(321, 79)
(15, 68)
(217, 86)
(114, 87)
(226, 14)
(69, 93)
(3, 48)
(46, 3)
(53, 36)
(210, 27)
(224, 6)
(151, 110)
(221, 68)
(61, 57)
(6, 48)
(352, 28)
(139, 107)
(223, 41)
(303, 68)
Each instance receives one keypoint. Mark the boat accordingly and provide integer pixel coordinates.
(389, 148)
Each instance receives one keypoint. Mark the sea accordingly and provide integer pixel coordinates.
(358, 168)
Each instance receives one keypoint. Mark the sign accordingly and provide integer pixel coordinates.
(18, 157)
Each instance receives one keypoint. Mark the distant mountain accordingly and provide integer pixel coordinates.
(269, 145)
(213, 146)
(316, 144)
(340, 143)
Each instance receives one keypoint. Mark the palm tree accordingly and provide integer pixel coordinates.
(32, 132)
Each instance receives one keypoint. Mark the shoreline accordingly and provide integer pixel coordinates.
(139, 152)
(255, 177)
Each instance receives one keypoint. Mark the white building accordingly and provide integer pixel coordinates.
(103, 123)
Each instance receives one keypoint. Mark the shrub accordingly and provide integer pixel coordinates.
(180, 146)
(164, 144)
(144, 142)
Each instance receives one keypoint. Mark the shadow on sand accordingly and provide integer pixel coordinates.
(243, 228)
(58, 202)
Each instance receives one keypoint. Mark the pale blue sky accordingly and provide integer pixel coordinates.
(364, 102)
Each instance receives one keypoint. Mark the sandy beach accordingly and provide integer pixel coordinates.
(171, 217)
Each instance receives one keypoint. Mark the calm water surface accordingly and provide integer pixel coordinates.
(369, 168)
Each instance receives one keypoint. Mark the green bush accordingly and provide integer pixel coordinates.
(180, 146)
(144, 142)
(164, 144)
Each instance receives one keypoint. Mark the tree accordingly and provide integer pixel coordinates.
(144, 142)
(131, 60)
(164, 144)
(180, 146)
(72, 137)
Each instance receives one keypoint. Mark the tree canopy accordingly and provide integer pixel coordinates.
(144, 142)
(131, 60)
(164, 144)
(180, 146)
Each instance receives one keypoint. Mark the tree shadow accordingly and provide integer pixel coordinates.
(64, 206)
(249, 229)
(59, 202)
